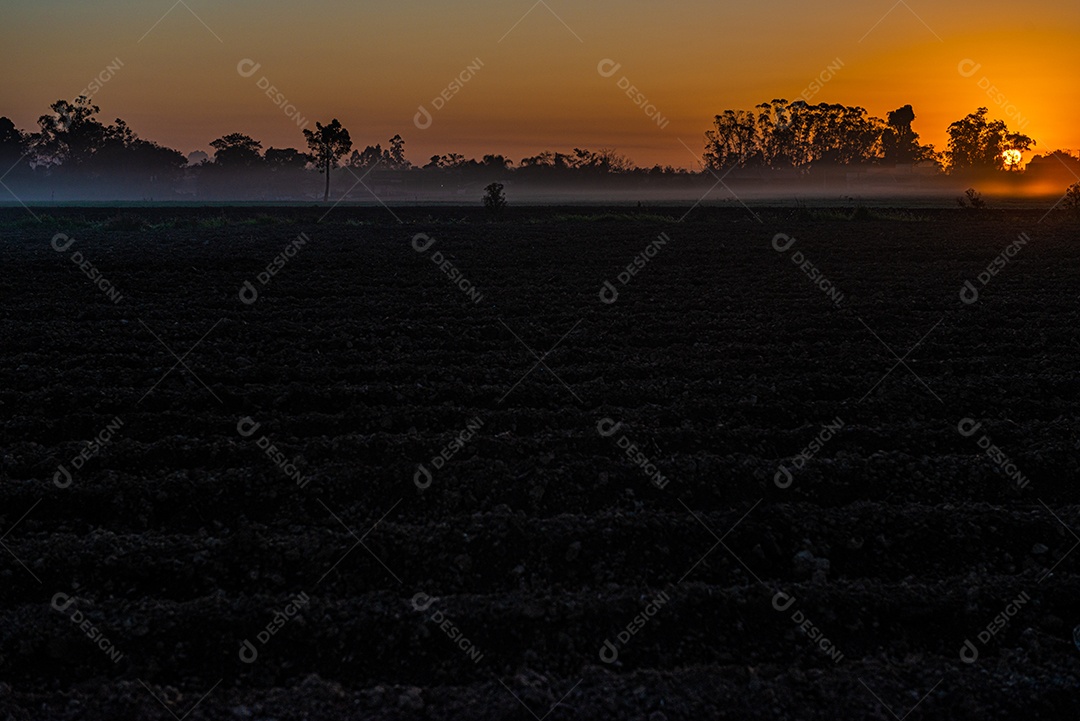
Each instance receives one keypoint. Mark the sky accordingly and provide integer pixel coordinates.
(518, 78)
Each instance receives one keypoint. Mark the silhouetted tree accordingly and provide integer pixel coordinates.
(450, 160)
(1071, 203)
(979, 144)
(286, 159)
(328, 143)
(972, 200)
(499, 162)
(494, 198)
(366, 158)
(395, 156)
(143, 165)
(74, 144)
(798, 134)
(582, 162)
(389, 159)
(71, 135)
(901, 143)
(775, 133)
(14, 145)
(544, 159)
(1018, 142)
(236, 150)
(733, 139)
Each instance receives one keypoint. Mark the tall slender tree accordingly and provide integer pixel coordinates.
(328, 144)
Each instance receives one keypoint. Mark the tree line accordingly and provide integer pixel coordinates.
(73, 146)
(779, 134)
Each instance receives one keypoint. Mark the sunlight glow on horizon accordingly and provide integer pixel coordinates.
(539, 88)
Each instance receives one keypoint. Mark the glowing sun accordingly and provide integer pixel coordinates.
(1012, 158)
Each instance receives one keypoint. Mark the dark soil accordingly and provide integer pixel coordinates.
(539, 539)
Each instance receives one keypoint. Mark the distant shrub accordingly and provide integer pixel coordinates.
(862, 213)
(972, 199)
(1072, 199)
(494, 198)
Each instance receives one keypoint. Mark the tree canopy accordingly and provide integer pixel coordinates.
(72, 145)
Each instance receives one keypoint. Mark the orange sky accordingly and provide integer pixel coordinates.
(373, 64)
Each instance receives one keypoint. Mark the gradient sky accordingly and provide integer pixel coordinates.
(371, 64)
